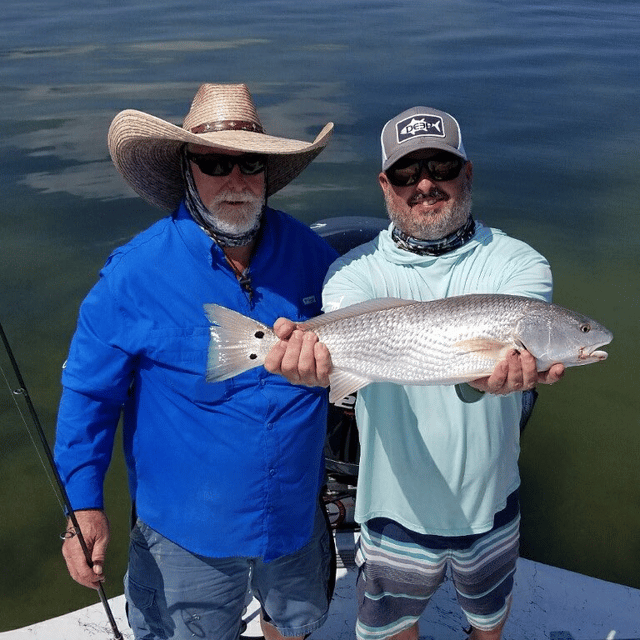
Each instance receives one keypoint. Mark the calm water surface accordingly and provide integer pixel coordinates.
(547, 96)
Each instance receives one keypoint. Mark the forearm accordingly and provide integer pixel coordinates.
(84, 444)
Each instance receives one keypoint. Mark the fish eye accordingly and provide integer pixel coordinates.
(585, 328)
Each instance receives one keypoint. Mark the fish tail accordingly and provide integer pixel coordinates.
(237, 344)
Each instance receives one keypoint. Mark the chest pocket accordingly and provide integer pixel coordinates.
(177, 359)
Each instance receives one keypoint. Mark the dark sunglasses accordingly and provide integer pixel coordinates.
(212, 164)
(440, 168)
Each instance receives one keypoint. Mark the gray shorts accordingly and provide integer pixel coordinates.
(172, 593)
(400, 570)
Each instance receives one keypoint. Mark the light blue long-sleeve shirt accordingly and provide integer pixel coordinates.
(428, 460)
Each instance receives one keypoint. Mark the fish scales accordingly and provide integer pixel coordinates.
(447, 341)
(416, 344)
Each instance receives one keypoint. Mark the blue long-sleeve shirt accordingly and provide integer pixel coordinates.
(223, 469)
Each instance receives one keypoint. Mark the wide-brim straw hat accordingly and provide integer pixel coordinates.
(147, 150)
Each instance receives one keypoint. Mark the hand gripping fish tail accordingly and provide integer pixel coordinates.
(237, 344)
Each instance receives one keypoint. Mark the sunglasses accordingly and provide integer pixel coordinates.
(440, 168)
(212, 164)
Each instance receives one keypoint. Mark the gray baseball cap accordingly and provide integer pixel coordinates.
(420, 128)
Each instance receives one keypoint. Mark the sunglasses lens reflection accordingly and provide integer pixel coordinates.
(210, 164)
(439, 168)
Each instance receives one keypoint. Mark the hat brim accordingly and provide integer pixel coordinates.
(418, 144)
(146, 151)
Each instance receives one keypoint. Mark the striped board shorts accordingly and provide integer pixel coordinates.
(400, 570)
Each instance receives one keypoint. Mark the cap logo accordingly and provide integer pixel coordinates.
(421, 125)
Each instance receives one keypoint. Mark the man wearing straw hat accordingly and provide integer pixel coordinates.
(225, 477)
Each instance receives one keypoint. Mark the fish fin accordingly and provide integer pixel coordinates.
(237, 344)
(377, 304)
(486, 345)
(344, 383)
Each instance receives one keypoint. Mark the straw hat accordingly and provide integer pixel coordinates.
(146, 150)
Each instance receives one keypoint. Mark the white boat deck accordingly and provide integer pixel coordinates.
(549, 603)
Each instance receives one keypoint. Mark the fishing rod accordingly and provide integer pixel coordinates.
(22, 391)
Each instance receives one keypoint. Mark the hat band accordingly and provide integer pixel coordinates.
(228, 125)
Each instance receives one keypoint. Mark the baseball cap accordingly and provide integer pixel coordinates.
(420, 128)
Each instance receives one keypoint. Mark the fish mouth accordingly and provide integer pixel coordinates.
(592, 354)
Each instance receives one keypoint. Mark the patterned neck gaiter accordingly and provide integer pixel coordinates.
(435, 247)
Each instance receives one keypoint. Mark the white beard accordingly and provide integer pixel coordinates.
(235, 219)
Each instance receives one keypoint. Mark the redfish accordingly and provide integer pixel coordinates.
(440, 342)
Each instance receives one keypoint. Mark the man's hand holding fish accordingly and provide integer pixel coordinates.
(299, 356)
(517, 373)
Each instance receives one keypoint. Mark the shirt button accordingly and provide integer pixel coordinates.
(272, 472)
(269, 425)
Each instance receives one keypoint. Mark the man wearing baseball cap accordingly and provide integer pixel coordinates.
(438, 474)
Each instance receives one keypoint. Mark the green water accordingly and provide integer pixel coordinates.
(547, 96)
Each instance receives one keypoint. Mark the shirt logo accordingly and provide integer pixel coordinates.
(309, 300)
(421, 125)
